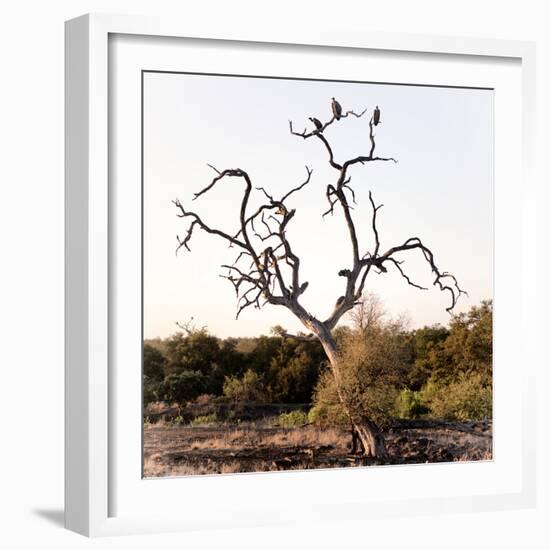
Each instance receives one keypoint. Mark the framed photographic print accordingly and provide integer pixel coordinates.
(295, 276)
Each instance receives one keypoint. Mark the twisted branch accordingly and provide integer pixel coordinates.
(264, 276)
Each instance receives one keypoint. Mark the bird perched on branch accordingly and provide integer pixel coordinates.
(376, 116)
(336, 109)
(317, 122)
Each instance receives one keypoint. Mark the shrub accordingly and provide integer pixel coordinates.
(248, 388)
(292, 419)
(327, 410)
(205, 420)
(374, 358)
(468, 398)
(409, 404)
(326, 415)
(174, 421)
(151, 390)
(467, 350)
(154, 363)
(182, 387)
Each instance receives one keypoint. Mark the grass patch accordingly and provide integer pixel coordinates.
(205, 420)
(292, 419)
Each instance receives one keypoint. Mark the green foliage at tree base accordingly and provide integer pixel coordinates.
(325, 415)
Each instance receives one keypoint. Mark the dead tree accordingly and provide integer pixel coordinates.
(266, 269)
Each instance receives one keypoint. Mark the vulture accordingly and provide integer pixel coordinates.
(336, 109)
(376, 116)
(317, 123)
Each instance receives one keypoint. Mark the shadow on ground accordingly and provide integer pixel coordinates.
(56, 517)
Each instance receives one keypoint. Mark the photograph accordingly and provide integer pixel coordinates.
(292, 264)
(317, 274)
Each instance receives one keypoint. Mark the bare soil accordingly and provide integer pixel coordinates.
(177, 450)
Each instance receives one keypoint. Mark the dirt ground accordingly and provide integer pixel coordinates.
(178, 450)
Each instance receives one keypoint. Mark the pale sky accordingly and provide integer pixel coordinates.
(441, 190)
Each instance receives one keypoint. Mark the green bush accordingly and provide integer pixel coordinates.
(374, 358)
(248, 388)
(206, 419)
(325, 415)
(154, 363)
(468, 398)
(292, 419)
(152, 390)
(327, 410)
(174, 421)
(182, 387)
(409, 404)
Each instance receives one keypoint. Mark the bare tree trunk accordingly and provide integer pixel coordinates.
(365, 430)
(371, 438)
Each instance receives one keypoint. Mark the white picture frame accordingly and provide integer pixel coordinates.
(94, 446)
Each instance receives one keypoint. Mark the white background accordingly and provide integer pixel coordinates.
(31, 274)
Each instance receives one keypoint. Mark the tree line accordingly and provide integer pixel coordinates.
(389, 370)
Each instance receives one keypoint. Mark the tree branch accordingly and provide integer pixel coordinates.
(264, 274)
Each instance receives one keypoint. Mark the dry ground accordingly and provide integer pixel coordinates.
(257, 447)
